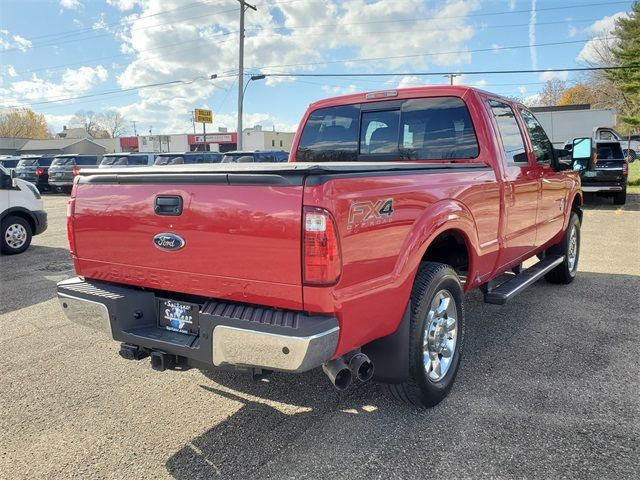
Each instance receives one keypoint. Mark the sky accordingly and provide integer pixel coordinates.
(59, 57)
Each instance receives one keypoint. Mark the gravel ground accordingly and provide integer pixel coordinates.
(549, 388)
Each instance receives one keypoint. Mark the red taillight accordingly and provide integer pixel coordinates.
(75, 171)
(71, 207)
(625, 168)
(39, 171)
(321, 249)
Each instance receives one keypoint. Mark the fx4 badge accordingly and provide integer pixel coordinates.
(367, 213)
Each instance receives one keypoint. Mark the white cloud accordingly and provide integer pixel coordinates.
(198, 40)
(601, 31)
(573, 31)
(72, 83)
(410, 81)
(57, 122)
(533, 100)
(335, 90)
(512, 4)
(123, 5)
(532, 35)
(546, 76)
(12, 41)
(70, 4)
(100, 24)
(496, 47)
(522, 89)
(11, 71)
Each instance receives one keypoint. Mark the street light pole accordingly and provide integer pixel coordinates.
(243, 6)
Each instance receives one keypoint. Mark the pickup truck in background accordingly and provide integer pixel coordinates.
(606, 172)
(354, 256)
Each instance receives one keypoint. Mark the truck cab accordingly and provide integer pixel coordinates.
(22, 213)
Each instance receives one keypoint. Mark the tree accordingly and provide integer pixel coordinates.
(114, 123)
(578, 94)
(23, 123)
(626, 53)
(552, 92)
(88, 120)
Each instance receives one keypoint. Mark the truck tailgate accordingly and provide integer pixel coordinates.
(241, 241)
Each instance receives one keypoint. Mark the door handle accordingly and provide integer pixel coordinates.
(170, 205)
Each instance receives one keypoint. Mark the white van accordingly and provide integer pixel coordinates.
(22, 213)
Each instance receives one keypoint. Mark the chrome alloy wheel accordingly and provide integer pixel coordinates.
(572, 253)
(440, 335)
(15, 235)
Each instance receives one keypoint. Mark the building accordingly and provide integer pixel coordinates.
(258, 139)
(68, 145)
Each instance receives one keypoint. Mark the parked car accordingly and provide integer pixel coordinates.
(22, 213)
(630, 145)
(127, 159)
(605, 172)
(35, 169)
(255, 156)
(184, 158)
(64, 169)
(9, 162)
(356, 259)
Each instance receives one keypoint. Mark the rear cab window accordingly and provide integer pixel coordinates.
(63, 161)
(432, 128)
(28, 162)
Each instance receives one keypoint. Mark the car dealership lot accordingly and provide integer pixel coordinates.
(549, 387)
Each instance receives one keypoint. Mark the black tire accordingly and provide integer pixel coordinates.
(566, 271)
(7, 246)
(620, 198)
(421, 390)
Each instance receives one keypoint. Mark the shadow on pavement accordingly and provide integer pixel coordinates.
(548, 387)
(593, 201)
(30, 277)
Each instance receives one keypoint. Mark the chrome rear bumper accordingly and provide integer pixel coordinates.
(230, 333)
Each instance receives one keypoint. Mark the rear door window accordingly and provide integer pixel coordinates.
(63, 161)
(510, 133)
(138, 160)
(30, 162)
(331, 135)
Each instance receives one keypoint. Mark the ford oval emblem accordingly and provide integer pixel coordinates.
(168, 241)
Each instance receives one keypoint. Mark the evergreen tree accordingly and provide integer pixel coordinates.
(626, 53)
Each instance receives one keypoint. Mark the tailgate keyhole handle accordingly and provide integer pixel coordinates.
(168, 205)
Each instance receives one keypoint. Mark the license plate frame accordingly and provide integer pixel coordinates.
(178, 316)
(590, 174)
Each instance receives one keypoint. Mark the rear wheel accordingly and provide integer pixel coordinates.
(570, 248)
(436, 336)
(630, 155)
(620, 198)
(16, 235)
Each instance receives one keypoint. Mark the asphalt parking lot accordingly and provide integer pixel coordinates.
(549, 388)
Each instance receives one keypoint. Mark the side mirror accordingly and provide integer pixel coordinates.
(582, 153)
(14, 176)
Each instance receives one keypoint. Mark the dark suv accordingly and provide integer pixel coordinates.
(608, 174)
(256, 156)
(64, 168)
(187, 158)
(35, 169)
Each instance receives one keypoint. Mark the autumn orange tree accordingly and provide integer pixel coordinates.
(23, 123)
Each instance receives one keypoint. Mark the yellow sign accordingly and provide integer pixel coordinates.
(203, 116)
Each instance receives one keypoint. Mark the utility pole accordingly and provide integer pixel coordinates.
(243, 7)
(135, 132)
(452, 76)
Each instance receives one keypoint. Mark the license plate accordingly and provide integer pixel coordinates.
(59, 174)
(179, 317)
(590, 174)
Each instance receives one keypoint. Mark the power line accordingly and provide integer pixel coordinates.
(169, 45)
(425, 18)
(393, 57)
(433, 74)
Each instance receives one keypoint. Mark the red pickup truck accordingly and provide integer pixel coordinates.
(354, 256)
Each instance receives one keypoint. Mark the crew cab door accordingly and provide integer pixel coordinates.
(521, 184)
(553, 188)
